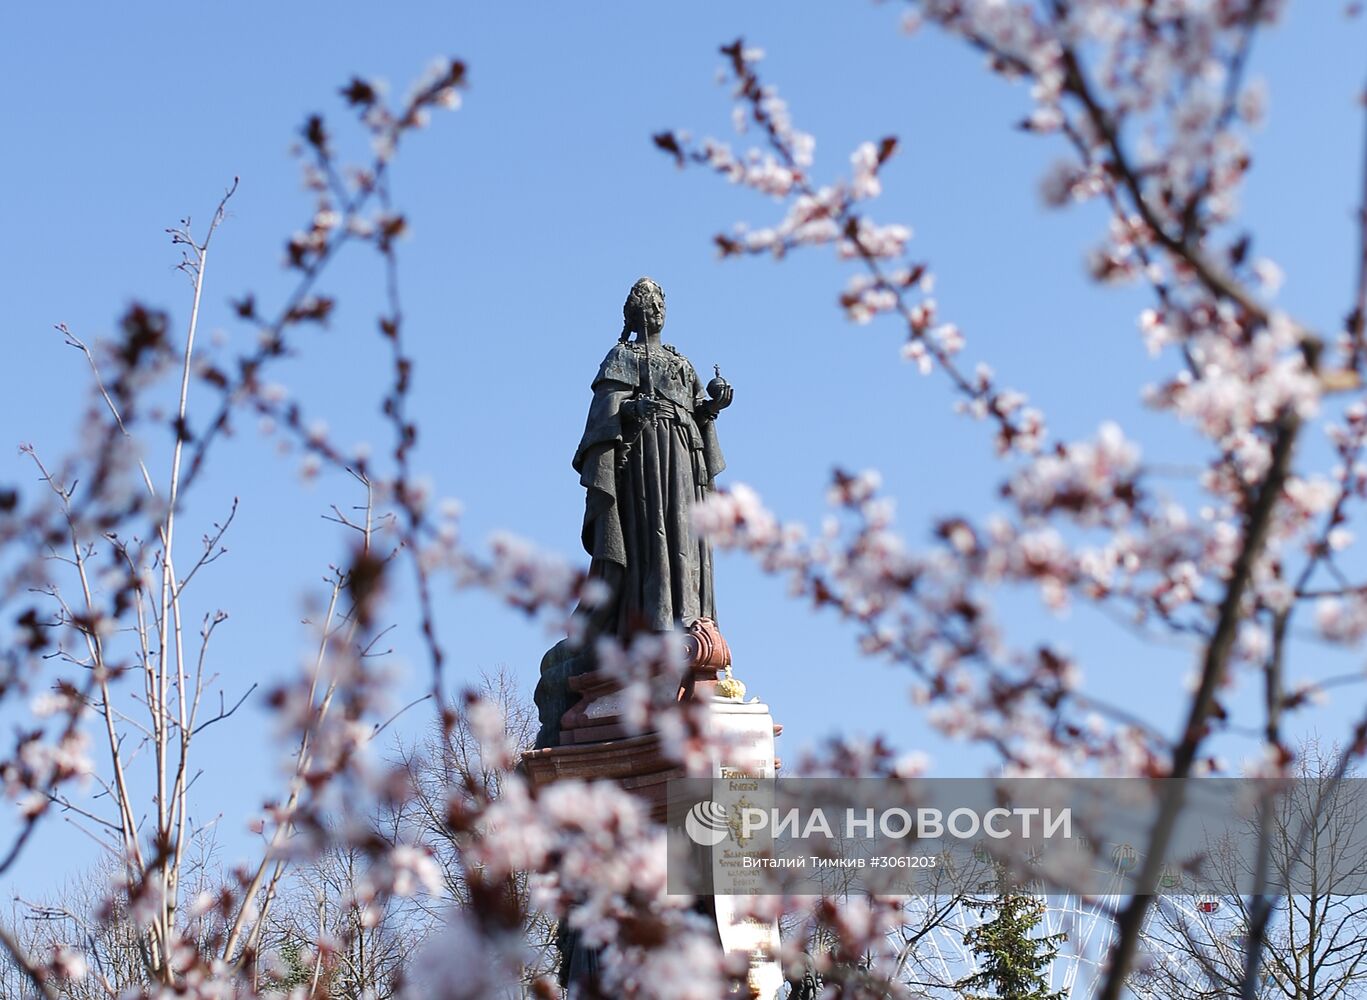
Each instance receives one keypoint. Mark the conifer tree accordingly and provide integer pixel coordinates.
(1013, 962)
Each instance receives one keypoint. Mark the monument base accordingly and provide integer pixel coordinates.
(593, 743)
(744, 733)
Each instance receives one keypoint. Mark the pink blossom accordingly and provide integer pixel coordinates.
(463, 963)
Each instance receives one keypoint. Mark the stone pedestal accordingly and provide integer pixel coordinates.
(741, 778)
(594, 744)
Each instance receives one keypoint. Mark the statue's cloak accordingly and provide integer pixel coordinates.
(642, 480)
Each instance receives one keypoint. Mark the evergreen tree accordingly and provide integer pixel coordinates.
(298, 969)
(1014, 964)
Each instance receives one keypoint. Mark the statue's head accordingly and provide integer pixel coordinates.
(646, 300)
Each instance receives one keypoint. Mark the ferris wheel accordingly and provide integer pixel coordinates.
(932, 954)
(1189, 937)
(936, 956)
(1185, 937)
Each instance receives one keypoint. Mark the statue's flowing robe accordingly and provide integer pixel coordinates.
(642, 480)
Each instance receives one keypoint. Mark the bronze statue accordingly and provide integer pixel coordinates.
(648, 454)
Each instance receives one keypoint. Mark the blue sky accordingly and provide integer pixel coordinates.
(533, 209)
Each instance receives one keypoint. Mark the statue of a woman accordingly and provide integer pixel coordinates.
(648, 454)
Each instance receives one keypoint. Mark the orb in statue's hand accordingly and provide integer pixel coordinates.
(718, 385)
